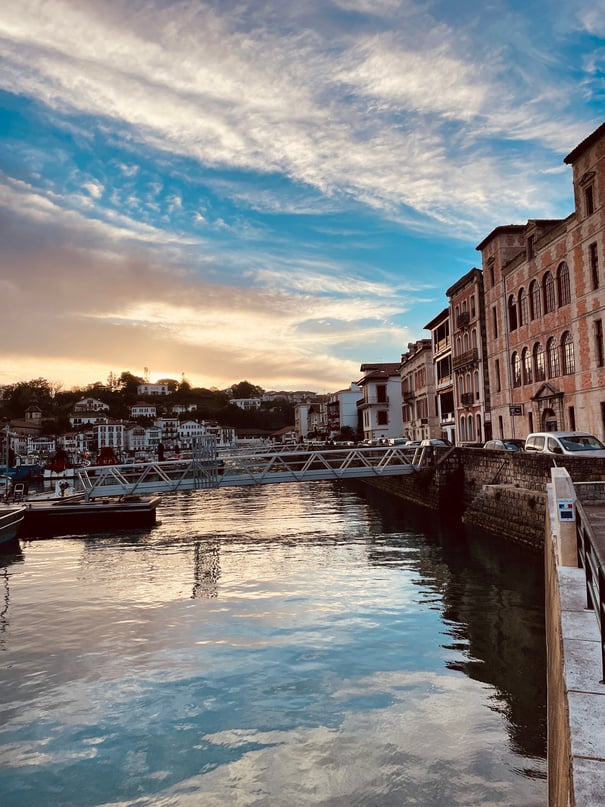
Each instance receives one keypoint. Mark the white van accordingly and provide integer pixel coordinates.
(570, 444)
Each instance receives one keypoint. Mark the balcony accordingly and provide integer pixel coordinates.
(466, 399)
(466, 359)
(463, 319)
(373, 400)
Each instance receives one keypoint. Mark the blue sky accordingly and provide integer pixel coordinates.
(269, 191)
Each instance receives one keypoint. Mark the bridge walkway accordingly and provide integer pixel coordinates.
(206, 469)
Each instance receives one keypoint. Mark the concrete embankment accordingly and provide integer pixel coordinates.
(503, 493)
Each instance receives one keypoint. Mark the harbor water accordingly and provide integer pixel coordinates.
(300, 644)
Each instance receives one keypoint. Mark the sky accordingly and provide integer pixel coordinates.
(269, 191)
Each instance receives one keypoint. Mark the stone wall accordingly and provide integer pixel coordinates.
(496, 491)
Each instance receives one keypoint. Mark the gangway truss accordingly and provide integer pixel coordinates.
(207, 469)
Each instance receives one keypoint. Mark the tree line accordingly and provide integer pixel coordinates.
(120, 393)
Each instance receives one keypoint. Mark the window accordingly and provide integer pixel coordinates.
(512, 313)
(515, 366)
(498, 382)
(523, 316)
(589, 200)
(476, 380)
(563, 291)
(548, 288)
(598, 338)
(594, 265)
(552, 357)
(534, 300)
(495, 322)
(478, 427)
(567, 351)
(473, 311)
(491, 275)
(572, 418)
(539, 371)
(382, 418)
(526, 366)
(474, 339)
(530, 247)
(381, 393)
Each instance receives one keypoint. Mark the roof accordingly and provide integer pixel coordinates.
(441, 317)
(585, 144)
(390, 368)
(503, 229)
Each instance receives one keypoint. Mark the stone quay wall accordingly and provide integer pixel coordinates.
(498, 492)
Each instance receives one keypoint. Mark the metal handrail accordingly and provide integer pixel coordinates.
(589, 559)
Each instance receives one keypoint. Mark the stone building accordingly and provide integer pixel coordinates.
(420, 419)
(441, 341)
(545, 307)
(469, 359)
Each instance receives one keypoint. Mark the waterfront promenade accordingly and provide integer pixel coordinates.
(576, 692)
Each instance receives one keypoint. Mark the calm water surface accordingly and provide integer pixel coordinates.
(286, 645)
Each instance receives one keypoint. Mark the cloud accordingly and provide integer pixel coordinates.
(255, 95)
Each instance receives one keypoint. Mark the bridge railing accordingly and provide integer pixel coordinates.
(210, 470)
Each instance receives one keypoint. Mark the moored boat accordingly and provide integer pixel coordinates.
(11, 518)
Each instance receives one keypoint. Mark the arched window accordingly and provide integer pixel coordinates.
(512, 313)
(474, 338)
(563, 291)
(515, 366)
(526, 366)
(463, 428)
(552, 357)
(458, 346)
(476, 380)
(539, 370)
(534, 300)
(470, 428)
(523, 316)
(479, 428)
(569, 361)
(548, 288)
(465, 339)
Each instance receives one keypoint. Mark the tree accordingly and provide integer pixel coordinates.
(128, 383)
(244, 389)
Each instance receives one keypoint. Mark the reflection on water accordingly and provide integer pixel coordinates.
(287, 645)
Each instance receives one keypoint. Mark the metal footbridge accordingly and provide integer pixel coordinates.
(207, 469)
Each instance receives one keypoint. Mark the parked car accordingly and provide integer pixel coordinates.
(506, 444)
(435, 442)
(569, 444)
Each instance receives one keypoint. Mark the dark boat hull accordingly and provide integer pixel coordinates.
(11, 519)
(56, 517)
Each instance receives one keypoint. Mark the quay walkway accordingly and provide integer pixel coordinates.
(575, 628)
(208, 469)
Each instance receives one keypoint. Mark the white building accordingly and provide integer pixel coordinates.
(110, 434)
(90, 405)
(381, 403)
(141, 409)
(342, 410)
(247, 404)
(152, 389)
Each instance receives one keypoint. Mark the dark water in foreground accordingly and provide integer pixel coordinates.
(286, 645)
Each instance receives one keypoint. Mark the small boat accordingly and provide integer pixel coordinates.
(11, 518)
(47, 516)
